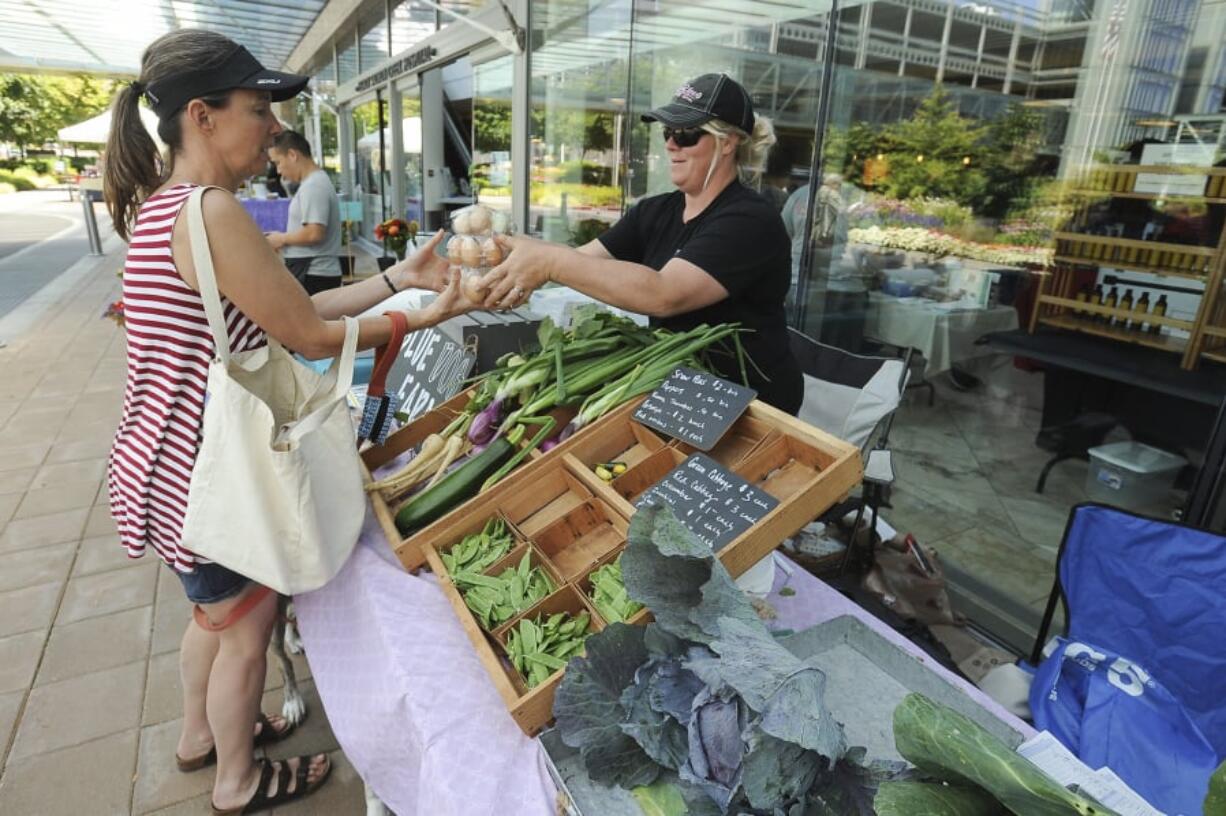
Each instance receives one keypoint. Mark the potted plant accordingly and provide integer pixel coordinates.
(396, 234)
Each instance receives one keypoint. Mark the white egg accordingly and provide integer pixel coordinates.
(470, 251)
(479, 219)
(491, 252)
(470, 285)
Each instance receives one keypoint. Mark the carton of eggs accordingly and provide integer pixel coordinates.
(473, 247)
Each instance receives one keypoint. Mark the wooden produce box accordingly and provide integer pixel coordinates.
(574, 522)
(408, 549)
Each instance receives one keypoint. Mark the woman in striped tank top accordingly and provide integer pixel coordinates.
(214, 101)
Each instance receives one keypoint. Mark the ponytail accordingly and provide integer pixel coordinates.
(751, 150)
(132, 167)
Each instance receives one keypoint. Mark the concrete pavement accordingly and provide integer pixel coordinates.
(89, 698)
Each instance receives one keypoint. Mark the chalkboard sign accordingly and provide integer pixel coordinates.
(430, 370)
(695, 407)
(713, 502)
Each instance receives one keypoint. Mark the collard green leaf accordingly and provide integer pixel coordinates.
(849, 787)
(1215, 802)
(589, 712)
(789, 694)
(952, 747)
(908, 798)
(777, 772)
(660, 799)
(668, 570)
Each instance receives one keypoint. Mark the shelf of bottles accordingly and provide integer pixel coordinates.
(1138, 234)
(1120, 181)
(1128, 314)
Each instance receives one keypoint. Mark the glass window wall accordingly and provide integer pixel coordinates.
(410, 136)
(371, 184)
(1027, 197)
(580, 82)
(492, 159)
(411, 23)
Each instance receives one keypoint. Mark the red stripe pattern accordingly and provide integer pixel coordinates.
(169, 348)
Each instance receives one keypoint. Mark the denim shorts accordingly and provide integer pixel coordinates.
(211, 583)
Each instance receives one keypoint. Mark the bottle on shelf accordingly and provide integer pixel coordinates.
(1100, 299)
(1160, 311)
(1113, 300)
(1082, 296)
(1142, 308)
(1125, 305)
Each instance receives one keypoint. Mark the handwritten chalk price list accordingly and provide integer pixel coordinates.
(712, 502)
(695, 407)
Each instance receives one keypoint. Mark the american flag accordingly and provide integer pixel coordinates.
(1111, 39)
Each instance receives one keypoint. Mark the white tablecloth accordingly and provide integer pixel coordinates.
(414, 711)
(944, 334)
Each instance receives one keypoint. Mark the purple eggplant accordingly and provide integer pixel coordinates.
(485, 424)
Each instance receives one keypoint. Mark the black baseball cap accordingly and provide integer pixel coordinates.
(238, 70)
(710, 96)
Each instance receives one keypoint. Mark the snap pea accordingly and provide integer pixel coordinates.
(539, 647)
(477, 552)
(496, 599)
(608, 593)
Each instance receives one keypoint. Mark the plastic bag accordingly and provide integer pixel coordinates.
(1111, 712)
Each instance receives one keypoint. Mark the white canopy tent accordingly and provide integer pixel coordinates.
(411, 132)
(95, 130)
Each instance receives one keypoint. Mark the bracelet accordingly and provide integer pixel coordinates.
(390, 285)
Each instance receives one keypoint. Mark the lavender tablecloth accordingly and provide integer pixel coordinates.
(414, 711)
(270, 214)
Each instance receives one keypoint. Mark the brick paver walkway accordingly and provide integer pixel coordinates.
(89, 698)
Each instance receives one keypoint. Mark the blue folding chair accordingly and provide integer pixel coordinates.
(1153, 592)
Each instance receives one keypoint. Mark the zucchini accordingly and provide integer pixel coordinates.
(453, 489)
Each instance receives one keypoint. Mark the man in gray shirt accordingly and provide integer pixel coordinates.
(313, 240)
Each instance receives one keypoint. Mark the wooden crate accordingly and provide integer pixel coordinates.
(412, 435)
(577, 521)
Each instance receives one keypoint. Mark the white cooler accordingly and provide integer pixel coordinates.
(1132, 476)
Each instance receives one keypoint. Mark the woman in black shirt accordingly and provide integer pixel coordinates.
(713, 251)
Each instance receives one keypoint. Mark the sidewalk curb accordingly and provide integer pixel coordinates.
(16, 323)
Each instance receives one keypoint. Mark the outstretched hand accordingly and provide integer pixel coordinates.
(450, 301)
(525, 269)
(424, 269)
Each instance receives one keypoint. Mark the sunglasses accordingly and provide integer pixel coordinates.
(684, 137)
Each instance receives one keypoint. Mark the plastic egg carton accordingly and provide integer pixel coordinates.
(472, 246)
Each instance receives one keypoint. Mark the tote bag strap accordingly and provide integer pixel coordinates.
(342, 367)
(206, 280)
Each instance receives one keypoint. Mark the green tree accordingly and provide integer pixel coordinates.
(935, 153)
(34, 107)
(1010, 149)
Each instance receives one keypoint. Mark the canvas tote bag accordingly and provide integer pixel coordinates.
(276, 494)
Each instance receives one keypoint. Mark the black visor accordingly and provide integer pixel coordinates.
(238, 70)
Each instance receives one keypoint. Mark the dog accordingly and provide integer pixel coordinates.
(286, 642)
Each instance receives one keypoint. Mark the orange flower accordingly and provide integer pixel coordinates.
(394, 229)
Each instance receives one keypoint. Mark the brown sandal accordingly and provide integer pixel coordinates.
(260, 800)
(267, 736)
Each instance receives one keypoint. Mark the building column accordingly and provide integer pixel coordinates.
(1013, 46)
(345, 148)
(521, 121)
(949, 24)
(434, 183)
(395, 124)
(866, 22)
(983, 32)
(906, 43)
